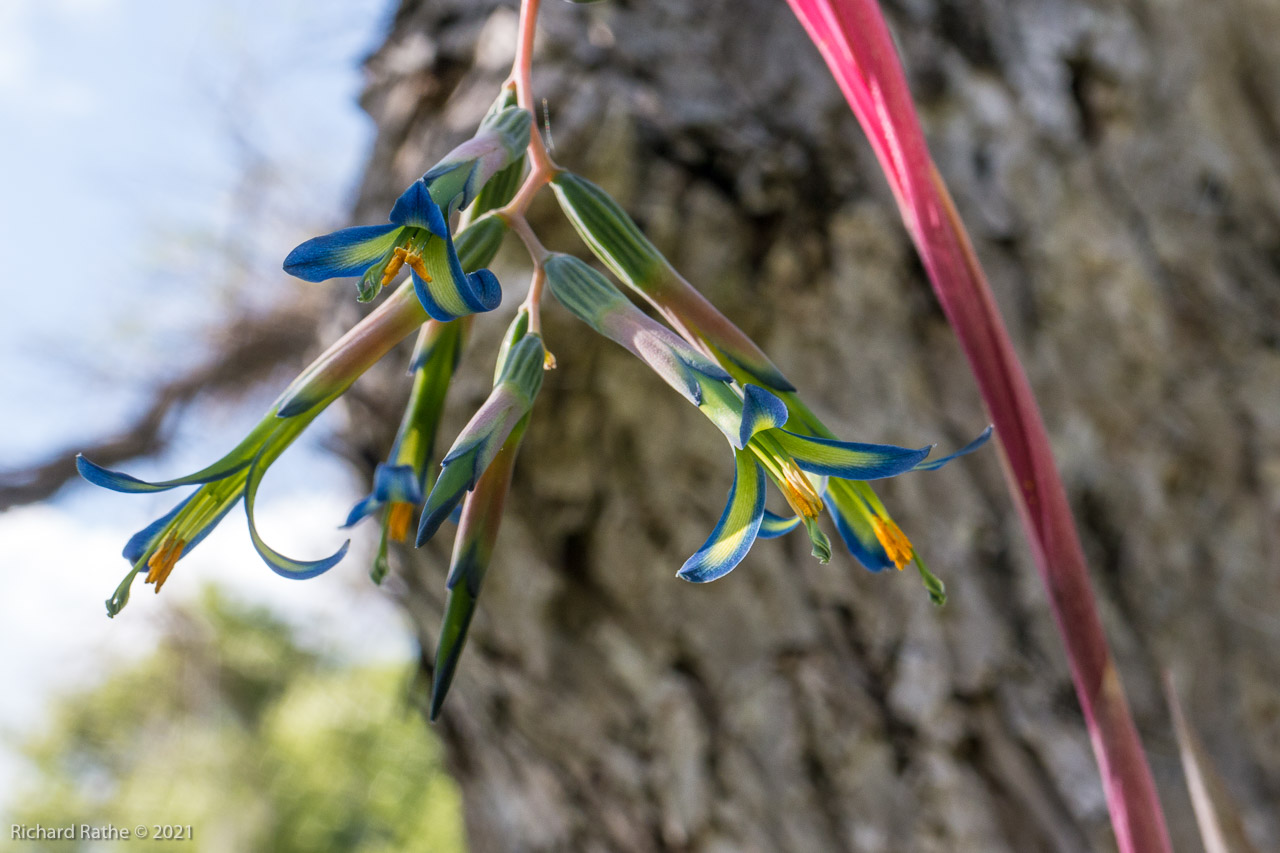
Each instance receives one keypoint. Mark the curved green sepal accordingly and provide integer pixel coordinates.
(932, 583)
(501, 139)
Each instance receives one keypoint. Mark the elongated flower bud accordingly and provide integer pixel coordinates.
(618, 242)
(513, 394)
(472, 553)
(458, 178)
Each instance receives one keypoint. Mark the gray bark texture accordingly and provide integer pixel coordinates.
(1117, 164)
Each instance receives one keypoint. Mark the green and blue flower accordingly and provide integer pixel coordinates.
(751, 419)
(417, 237)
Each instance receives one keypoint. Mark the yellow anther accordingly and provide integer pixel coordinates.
(896, 544)
(415, 263)
(163, 560)
(398, 518)
(548, 361)
(393, 265)
(799, 491)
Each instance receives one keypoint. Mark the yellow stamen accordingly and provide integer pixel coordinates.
(799, 491)
(393, 265)
(415, 263)
(896, 544)
(163, 560)
(548, 361)
(398, 518)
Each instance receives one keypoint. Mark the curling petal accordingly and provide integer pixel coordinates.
(447, 292)
(738, 525)
(365, 507)
(855, 528)
(349, 252)
(416, 209)
(118, 481)
(935, 464)
(279, 563)
(772, 526)
(848, 459)
(760, 410)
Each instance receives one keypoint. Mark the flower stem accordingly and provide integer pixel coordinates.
(543, 168)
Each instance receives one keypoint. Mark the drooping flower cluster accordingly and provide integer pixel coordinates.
(439, 292)
(443, 229)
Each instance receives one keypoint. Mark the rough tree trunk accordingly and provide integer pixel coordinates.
(1116, 161)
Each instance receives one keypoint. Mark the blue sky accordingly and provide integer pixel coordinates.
(161, 158)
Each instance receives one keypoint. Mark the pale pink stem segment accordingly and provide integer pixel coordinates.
(854, 40)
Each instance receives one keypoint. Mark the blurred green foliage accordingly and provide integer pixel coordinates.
(234, 728)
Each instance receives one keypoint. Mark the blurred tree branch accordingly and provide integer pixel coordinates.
(243, 352)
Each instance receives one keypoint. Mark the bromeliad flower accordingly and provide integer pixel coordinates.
(398, 484)
(864, 524)
(478, 525)
(751, 419)
(158, 547)
(417, 237)
(395, 489)
(517, 384)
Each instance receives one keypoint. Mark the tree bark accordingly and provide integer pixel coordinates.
(1117, 164)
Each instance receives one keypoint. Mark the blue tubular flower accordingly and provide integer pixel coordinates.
(514, 390)
(751, 420)
(864, 523)
(417, 237)
(395, 488)
(158, 546)
(614, 238)
(398, 485)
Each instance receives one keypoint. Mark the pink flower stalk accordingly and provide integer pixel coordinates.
(854, 40)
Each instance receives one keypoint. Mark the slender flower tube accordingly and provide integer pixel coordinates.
(517, 384)
(618, 242)
(751, 419)
(399, 483)
(417, 237)
(472, 552)
(158, 547)
(481, 516)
